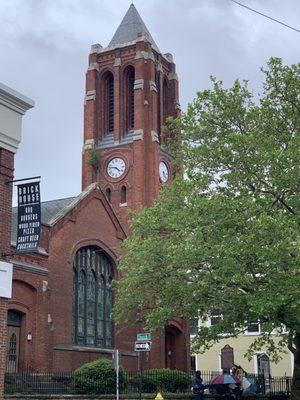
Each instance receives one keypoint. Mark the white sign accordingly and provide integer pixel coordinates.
(6, 270)
(142, 346)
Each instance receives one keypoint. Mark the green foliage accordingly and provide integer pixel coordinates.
(10, 388)
(163, 380)
(93, 157)
(97, 377)
(226, 236)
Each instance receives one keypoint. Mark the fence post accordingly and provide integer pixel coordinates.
(117, 369)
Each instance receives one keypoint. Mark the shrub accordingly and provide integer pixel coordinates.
(10, 388)
(97, 377)
(165, 380)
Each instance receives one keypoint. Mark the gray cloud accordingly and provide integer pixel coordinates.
(44, 51)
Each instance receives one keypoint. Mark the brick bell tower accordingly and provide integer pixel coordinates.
(131, 89)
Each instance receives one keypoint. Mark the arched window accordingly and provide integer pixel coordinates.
(108, 103)
(165, 101)
(123, 195)
(108, 194)
(128, 104)
(92, 298)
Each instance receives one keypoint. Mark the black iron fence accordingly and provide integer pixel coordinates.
(30, 381)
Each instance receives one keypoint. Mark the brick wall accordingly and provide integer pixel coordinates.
(6, 172)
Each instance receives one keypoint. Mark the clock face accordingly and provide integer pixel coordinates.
(163, 172)
(116, 167)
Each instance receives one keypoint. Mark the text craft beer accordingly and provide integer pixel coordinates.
(29, 217)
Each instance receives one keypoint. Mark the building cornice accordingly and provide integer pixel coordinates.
(14, 100)
(13, 106)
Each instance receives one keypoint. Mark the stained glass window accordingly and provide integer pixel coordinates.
(92, 298)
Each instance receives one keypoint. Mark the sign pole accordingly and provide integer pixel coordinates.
(141, 372)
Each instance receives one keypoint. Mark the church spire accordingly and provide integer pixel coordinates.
(130, 28)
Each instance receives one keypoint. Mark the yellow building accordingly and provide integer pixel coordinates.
(230, 351)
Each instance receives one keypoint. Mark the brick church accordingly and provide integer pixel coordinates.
(59, 316)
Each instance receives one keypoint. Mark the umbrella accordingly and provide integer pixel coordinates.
(226, 379)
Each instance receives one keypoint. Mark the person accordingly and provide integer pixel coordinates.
(237, 389)
(198, 387)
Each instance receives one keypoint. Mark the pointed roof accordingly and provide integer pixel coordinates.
(129, 29)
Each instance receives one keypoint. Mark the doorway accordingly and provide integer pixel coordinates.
(173, 347)
(263, 365)
(13, 341)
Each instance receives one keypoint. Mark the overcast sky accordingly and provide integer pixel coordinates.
(45, 44)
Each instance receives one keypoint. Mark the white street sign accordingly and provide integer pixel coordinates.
(6, 270)
(142, 346)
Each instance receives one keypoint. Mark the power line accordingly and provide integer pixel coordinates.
(264, 15)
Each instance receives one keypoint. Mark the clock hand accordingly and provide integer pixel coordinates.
(115, 168)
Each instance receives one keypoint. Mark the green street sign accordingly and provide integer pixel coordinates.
(143, 336)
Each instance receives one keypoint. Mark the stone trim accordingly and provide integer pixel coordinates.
(9, 143)
(139, 84)
(116, 46)
(153, 86)
(144, 55)
(88, 144)
(30, 267)
(169, 57)
(172, 75)
(154, 136)
(90, 95)
(138, 134)
(159, 67)
(93, 66)
(96, 48)
(117, 62)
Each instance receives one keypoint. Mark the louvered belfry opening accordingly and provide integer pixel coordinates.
(108, 103)
(165, 101)
(157, 82)
(129, 77)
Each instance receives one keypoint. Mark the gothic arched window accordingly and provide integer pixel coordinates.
(128, 104)
(92, 298)
(108, 102)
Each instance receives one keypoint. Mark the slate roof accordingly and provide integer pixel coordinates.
(128, 30)
(49, 209)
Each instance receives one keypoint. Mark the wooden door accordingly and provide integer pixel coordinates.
(12, 348)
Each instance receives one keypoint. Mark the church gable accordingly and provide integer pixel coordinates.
(91, 214)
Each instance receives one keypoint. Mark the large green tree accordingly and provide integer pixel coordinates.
(225, 236)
